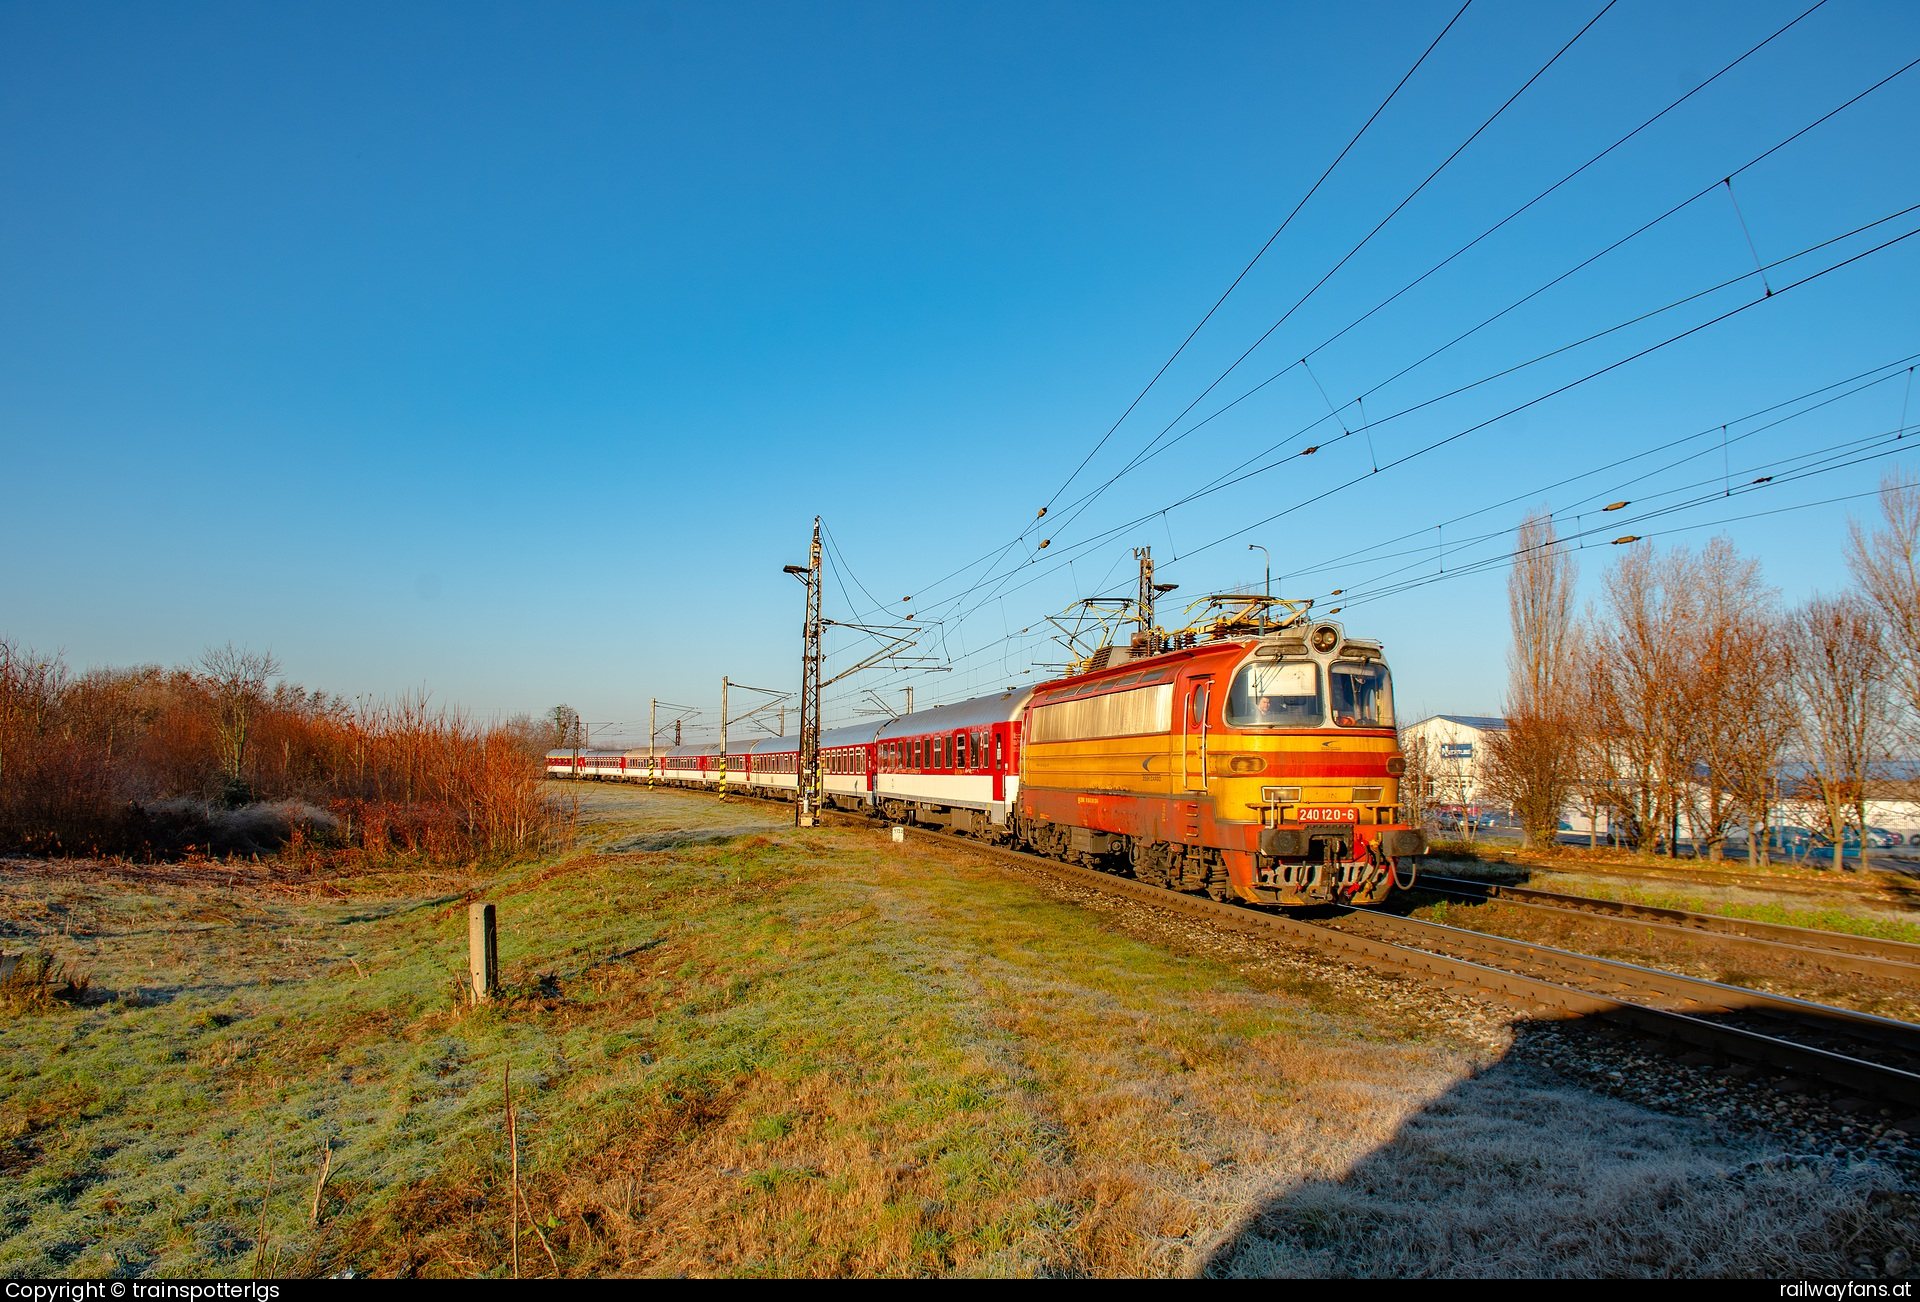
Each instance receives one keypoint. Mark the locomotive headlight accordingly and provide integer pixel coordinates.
(1325, 638)
(1396, 766)
(1246, 764)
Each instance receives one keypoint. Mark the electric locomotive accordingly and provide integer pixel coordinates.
(1260, 764)
(1245, 760)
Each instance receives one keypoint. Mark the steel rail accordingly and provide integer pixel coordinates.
(1857, 887)
(1872, 956)
(1532, 994)
(1693, 994)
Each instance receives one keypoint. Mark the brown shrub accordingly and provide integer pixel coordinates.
(157, 763)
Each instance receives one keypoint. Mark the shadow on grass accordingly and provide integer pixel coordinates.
(1517, 1173)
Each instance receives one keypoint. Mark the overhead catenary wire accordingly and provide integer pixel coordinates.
(1768, 291)
(1893, 368)
(999, 553)
(1153, 450)
(1381, 225)
(1850, 385)
(1278, 231)
(1785, 470)
(1242, 472)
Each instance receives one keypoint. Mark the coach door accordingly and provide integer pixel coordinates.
(1193, 733)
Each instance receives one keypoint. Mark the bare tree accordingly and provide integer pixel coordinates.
(1417, 783)
(1534, 760)
(1838, 677)
(1605, 773)
(236, 681)
(1727, 609)
(1635, 669)
(1886, 568)
(564, 721)
(1756, 730)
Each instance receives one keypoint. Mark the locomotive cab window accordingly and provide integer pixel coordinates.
(1283, 694)
(1362, 695)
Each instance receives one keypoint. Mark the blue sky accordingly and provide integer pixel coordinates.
(510, 351)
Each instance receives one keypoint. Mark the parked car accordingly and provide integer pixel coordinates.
(1878, 838)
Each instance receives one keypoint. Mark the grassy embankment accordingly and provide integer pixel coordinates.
(794, 1052)
(1875, 903)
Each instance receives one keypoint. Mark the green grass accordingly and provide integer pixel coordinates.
(1840, 920)
(816, 1053)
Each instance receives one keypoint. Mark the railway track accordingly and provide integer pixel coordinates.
(1834, 951)
(1880, 886)
(1871, 1057)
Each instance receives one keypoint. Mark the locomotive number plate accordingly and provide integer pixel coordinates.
(1326, 814)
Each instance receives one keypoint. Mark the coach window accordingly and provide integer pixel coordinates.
(999, 751)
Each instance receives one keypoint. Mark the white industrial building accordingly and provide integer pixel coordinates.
(1451, 756)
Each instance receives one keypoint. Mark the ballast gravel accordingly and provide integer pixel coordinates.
(1812, 1125)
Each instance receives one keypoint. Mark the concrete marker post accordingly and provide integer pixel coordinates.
(483, 951)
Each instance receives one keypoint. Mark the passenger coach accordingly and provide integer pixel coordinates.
(1256, 764)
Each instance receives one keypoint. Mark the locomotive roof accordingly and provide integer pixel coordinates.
(1001, 707)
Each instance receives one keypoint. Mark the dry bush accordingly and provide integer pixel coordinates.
(217, 759)
(34, 983)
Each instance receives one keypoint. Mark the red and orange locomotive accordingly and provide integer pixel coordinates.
(1247, 762)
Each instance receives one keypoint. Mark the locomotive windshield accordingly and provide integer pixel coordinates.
(1362, 695)
(1276, 694)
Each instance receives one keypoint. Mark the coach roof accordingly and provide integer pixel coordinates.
(981, 711)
